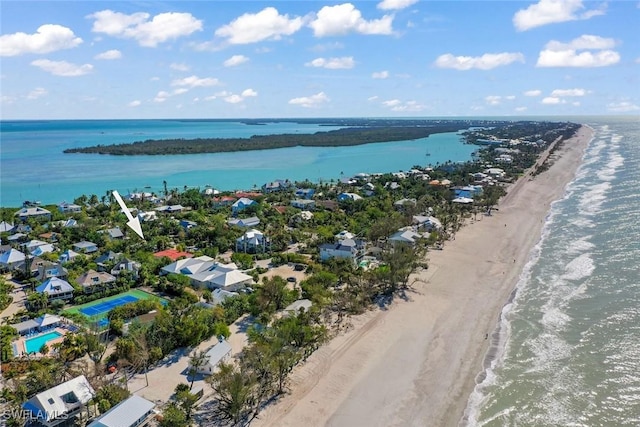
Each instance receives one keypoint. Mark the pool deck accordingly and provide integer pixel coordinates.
(21, 343)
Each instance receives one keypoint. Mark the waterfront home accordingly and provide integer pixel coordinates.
(59, 404)
(348, 196)
(139, 196)
(221, 352)
(95, 281)
(47, 270)
(209, 191)
(304, 204)
(127, 265)
(11, 259)
(277, 185)
(85, 247)
(468, 191)
(37, 212)
(305, 193)
(244, 222)
(6, 227)
(345, 248)
(241, 204)
(69, 208)
(135, 411)
(56, 288)
(42, 323)
(426, 223)
(252, 241)
(405, 235)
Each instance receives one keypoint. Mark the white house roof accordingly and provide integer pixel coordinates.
(24, 212)
(189, 265)
(408, 236)
(49, 404)
(11, 257)
(463, 200)
(6, 227)
(43, 249)
(295, 306)
(216, 353)
(125, 413)
(54, 285)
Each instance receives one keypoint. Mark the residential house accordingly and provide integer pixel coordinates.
(135, 411)
(68, 255)
(348, 196)
(147, 216)
(172, 209)
(468, 191)
(241, 204)
(85, 247)
(59, 404)
(37, 212)
(94, 281)
(220, 352)
(404, 204)
(219, 202)
(244, 222)
(295, 307)
(305, 193)
(105, 260)
(43, 249)
(114, 233)
(17, 238)
(172, 254)
(6, 227)
(56, 288)
(330, 205)
(42, 323)
(277, 185)
(426, 223)
(304, 204)
(344, 234)
(405, 235)
(47, 269)
(205, 272)
(345, 248)
(11, 259)
(186, 224)
(50, 236)
(218, 296)
(253, 241)
(69, 208)
(31, 245)
(209, 191)
(127, 265)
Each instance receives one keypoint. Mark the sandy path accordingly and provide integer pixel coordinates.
(415, 364)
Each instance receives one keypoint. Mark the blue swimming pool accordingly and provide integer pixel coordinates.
(33, 345)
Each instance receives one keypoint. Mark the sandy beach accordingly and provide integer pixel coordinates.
(416, 362)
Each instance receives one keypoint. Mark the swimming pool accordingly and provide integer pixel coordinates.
(33, 345)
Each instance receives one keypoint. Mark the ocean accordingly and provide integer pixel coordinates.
(570, 339)
(34, 167)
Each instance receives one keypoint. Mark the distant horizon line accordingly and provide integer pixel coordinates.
(323, 118)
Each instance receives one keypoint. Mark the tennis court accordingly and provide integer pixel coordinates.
(107, 306)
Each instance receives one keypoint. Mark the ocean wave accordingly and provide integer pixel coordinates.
(592, 199)
(579, 268)
(580, 245)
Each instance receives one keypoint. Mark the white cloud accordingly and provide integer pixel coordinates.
(235, 60)
(162, 96)
(332, 63)
(577, 53)
(534, 92)
(179, 67)
(109, 54)
(62, 68)
(380, 75)
(249, 92)
(310, 101)
(345, 18)
(372, 98)
(569, 92)
(148, 33)
(552, 100)
(521, 109)
(484, 62)
(37, 93)
(622, 107)
(267, 24)
(6, 99)
(195, 81)
(553, 11)
(233, 99)
(493, 99)
(398, 105)
(395, 4)
(180, 91)
(48, 38)
(135, 103)
(510, 97)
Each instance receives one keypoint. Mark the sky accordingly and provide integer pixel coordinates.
(254, 59)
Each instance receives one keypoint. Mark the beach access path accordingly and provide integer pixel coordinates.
(415, 363)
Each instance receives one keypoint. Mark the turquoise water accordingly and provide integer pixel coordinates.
(33, 345)
(33, 166)
(569, 353)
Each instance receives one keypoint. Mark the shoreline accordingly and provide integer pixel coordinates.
(417, 362)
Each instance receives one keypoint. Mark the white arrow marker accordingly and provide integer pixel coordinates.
(134, 223)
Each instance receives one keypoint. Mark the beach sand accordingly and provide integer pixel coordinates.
(416, 362)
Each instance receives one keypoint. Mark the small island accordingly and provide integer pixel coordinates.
(355, 132)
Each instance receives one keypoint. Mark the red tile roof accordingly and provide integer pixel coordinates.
(173, 254)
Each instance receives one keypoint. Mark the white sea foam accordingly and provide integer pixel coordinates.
(580, 245)
(592, 199)
(579, 268)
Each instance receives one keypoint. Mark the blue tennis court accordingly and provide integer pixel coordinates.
(107, 306)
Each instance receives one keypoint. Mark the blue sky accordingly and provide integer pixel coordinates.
(231, 59)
